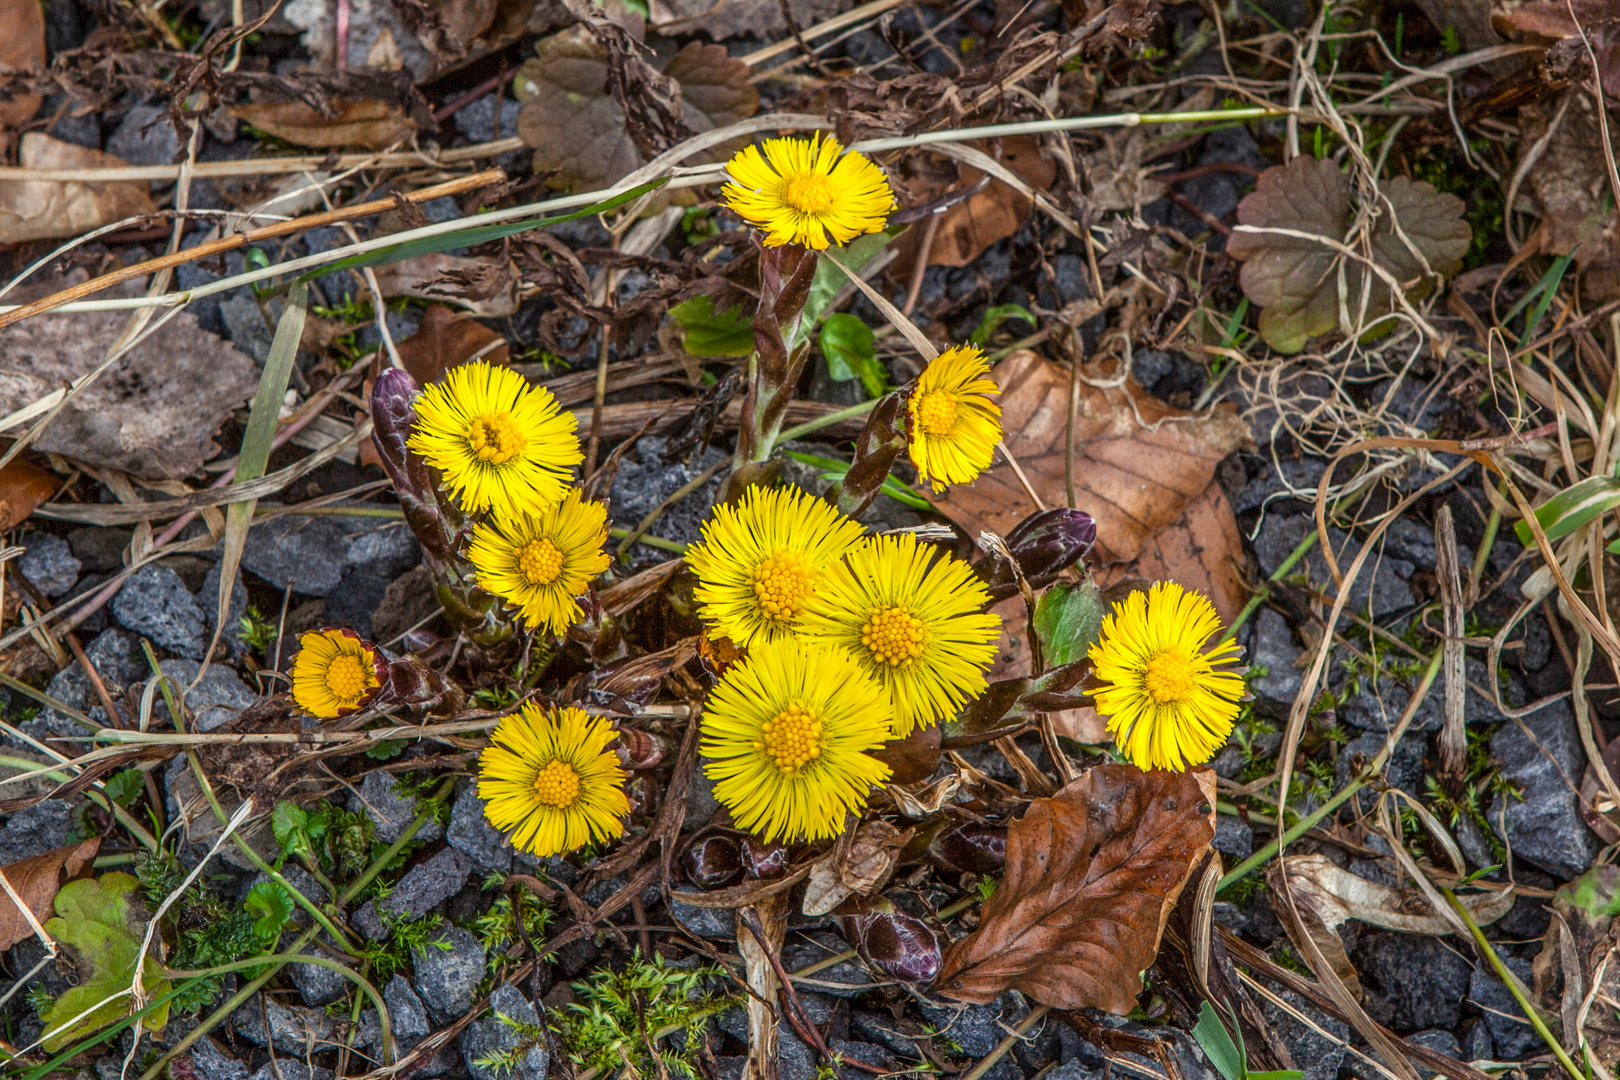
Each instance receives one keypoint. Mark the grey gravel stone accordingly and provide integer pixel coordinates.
(1233, 837)
(977, 1029)
(424, 887)
(493, 1035)
(145, 137)
(155, 603)
(477, 121)
(1511, 1034)
(713, 924)
(1380, 707)
(245, 325)
(1316, 1054)
(215, 700)
(1273, 648)
(211, 1062)
(37, 829)
(642, 485)
(447, 977)
(1382, 583)
(390, 812)
(291, 1069)
(1440, 1041)
(1404, 769)
(700, 801)
(1412, 982)
(869, 1053)
(293, 1029)
(470, 833)
(1544, 827)
(117, 658)
(312, 554)
(48, 563)
(847, 979)
(208, 601)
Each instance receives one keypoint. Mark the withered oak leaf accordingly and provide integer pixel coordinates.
(1296, 281)
(1092, 873)
(577, 128)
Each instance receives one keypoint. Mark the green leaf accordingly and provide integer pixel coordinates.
(104, 922)
(847, 344)
(898, 490)
(829, 279)
(994, 317)
(1218, 1045)
(1573, 507)
(385, 749)
(290, 825)
(1067, 620)
(125, 786)
(274, 908)
(429, 245)
(714, 333)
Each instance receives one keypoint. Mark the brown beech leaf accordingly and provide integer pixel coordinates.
(444, 340)
(486, 286)
(23, 486)
(22, 47)
(36, 880)
(1092, 874)
(1600, 19)
(50, 210)
(371, 125)
(1134, 473)
(1297, 281)
(577, 127)
(993, 214)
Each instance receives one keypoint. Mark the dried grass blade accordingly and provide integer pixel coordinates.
(907, 328)
(1453, 738)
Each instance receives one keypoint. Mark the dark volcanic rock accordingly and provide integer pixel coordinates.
(1412, 982)
(1544, 825)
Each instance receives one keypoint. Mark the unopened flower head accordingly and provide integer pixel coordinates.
(954, 426)
(808, 192)
(335, 673)
(786, 733)
(501, 444)
(760, 560)
(910, 615)
(1169, 704)
(541, 563)
(550, 782)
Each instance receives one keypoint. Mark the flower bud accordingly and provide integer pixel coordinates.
(899, 945)
(713, 862)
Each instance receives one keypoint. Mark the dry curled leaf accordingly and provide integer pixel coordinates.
(1551, 19)
(22, 48)
(860, 865)
(37, 879)
(23, 486)
(153, 413)
(577, 126)
(445, 340)
(1092, 874)
(371, 125)
(50, 210)
(990, 214)
(486, 286)
(1308, 288)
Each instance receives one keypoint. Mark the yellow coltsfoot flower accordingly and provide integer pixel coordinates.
(501, 444)
(550, 782)
(801, 191)
(912, 621)
(335, 673)
(759, 561)
(786, 733)
(953, 427)
(1167, 705)
(539, 564)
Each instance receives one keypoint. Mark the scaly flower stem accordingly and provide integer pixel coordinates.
(799, 431)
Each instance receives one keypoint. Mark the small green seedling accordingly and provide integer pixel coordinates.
(1230, 1059)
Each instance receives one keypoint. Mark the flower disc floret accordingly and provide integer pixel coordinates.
(550, 782)
(501, 444)
(786, 734)
(334, 673)
(1168, 703)
(954, 426)
(541, 564)
(760, 561)
(808, 192)
(910, 616)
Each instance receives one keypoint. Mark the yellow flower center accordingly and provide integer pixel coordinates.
(1169, 677)
(809, 192)
(894, 636)
(495, 438)
(346, 678)
(936, 412)
(781, 584)
(557, 785)
(541, 562)
(793, 736)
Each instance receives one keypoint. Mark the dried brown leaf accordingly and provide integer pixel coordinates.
(22, 47)
(577, 126)
(1137, 461)
(995, 213)
(153, 413)
(858, 866)
(721, 19)
(23, 486)
(36, 881)
(1092, 875)
(444, 340)
(1297, 281)
(369, 124)
(486, 286)
(1600, 19)
(51, 210)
